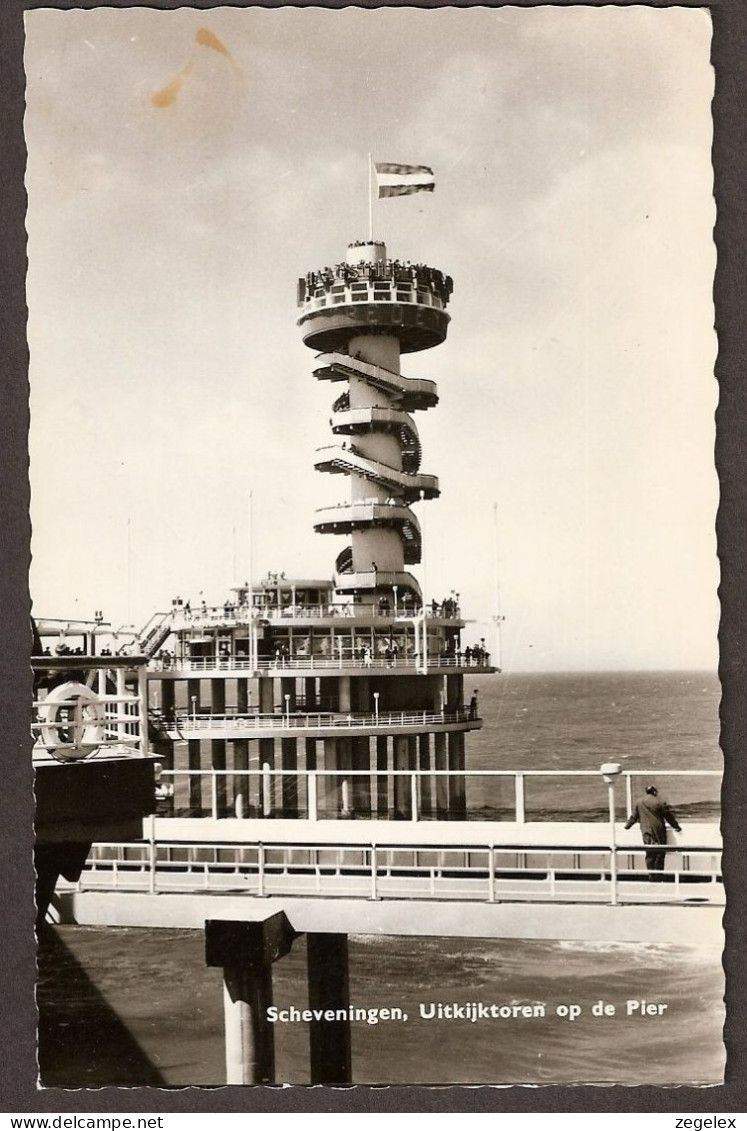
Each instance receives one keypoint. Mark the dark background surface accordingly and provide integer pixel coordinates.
(18, 1068)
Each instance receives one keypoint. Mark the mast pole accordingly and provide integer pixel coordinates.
(370, 199)
(250, 594)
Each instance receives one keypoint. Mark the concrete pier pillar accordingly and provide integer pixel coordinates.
(193, 694)
(344, 764)
(287, 687)
(328, 789)
(454, 692)
(401, 781)
(266, 695)
(218, 747)
(360, 695)
(361, 783)
(329, 989)
(457, 793)
(266, 801)
(246, 952)
(424, 765)
(289, 780)
(241, 782)
(250, 1048)
(382, 779)
(442, 782)
(168, 698)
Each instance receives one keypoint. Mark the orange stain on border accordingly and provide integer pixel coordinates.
(168, 94)
(206, 38)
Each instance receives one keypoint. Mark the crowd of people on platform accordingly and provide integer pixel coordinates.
(475, 655)
(395, 270)
(449, 607)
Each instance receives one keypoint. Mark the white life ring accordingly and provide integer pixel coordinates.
(82, 732)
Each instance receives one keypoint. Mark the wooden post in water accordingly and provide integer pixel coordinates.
(329, 989)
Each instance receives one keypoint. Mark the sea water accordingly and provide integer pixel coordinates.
(129, 1006)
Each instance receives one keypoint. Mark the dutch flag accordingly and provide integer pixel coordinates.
(401, 180)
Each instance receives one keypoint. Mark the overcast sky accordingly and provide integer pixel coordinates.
(176, 192)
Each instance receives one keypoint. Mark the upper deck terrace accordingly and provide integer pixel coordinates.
(385, 632)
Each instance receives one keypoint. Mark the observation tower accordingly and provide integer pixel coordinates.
(343, 697)
(360, 316)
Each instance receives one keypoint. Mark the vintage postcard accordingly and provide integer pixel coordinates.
(374, 576)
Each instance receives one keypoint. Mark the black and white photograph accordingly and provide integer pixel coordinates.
(374, 573)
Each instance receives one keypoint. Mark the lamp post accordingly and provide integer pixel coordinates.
(395, 590)
(287, 706)
(194, 707)
(376, 705)
(610, 772)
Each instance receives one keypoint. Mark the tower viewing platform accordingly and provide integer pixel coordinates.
(369, 292)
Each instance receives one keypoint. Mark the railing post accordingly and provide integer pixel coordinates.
(152, 854)
(628, 795)
(260, 869)
(610, 772)
(312, 795)
(374, 869)
(520, 798)
(613, 875)
(491, 874)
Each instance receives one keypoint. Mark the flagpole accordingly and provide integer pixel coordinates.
(370, 199)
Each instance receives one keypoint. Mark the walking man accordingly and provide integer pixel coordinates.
(653, 814)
